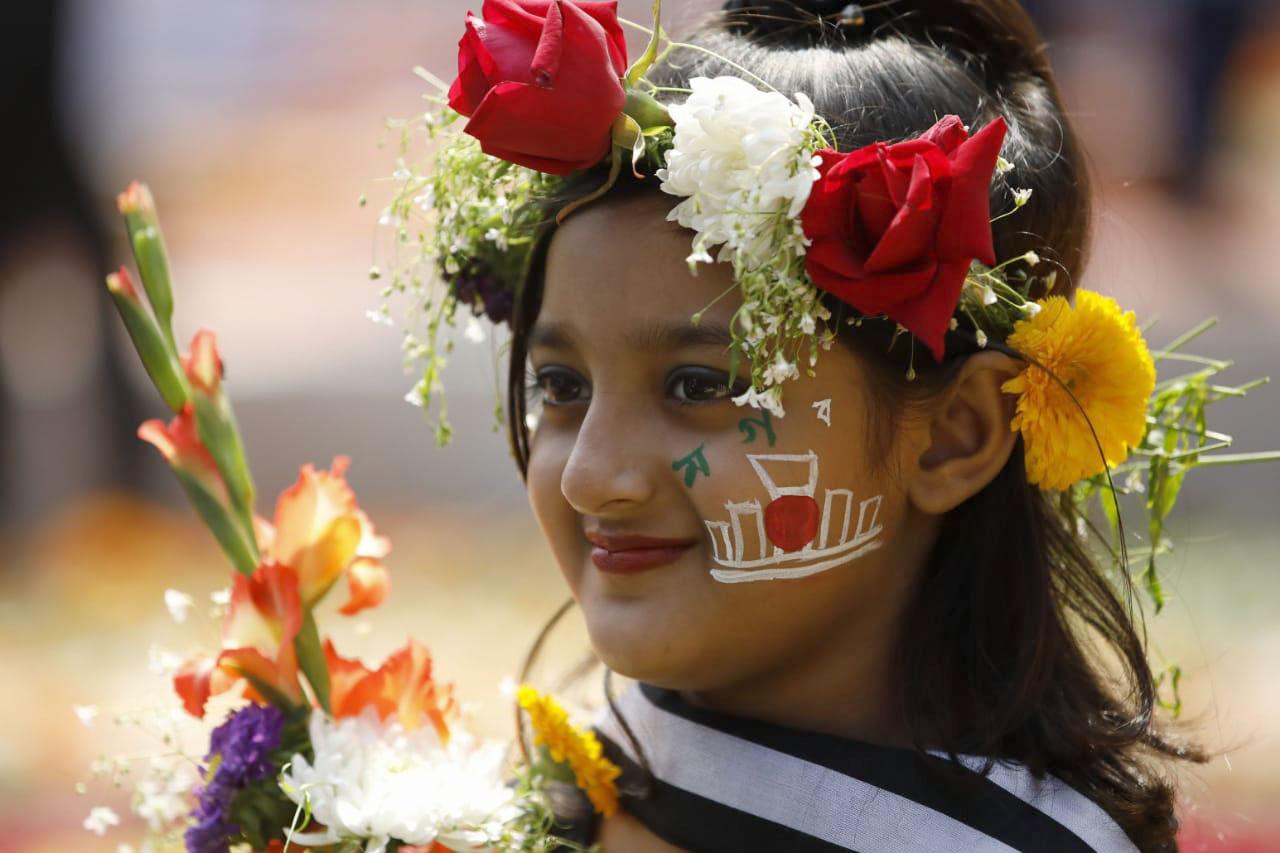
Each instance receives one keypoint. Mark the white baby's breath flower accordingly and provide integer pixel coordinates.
(1003, 166)
(221, 599)
(86, 714)
(739, 159)
(178, 603)
(807, 324)
(1031, 258)
(100, 819)
(780, 371)
(497, 238)
(1021, 197)
(371, 782)
(162, 796)
(474, 331)
(161, 661)
(982, 338)
(770, 399)
(1033, 308)
(989, 295)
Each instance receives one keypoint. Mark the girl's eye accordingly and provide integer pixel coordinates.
(558, 386)
(703, 385)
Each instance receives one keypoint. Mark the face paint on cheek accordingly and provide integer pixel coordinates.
(797, 537)
(824, 411)
(747, 426)
(693, 464)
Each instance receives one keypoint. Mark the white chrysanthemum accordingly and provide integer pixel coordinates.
(373, 782)
(739, 154)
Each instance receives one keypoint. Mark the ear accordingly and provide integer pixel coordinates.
(970, 438)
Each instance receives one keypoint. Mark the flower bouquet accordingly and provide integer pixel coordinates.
(313, 749)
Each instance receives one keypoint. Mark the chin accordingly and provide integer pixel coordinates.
(634, 638)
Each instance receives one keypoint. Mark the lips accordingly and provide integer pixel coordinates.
(628, 555)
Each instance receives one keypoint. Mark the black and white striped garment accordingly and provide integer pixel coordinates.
(742, 786)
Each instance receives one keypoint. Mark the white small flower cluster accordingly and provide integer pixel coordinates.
(743, 159)
(457, 207)
(372, 782)
(740, 160)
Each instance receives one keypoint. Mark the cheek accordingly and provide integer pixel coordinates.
(807, 504)
(555, 517)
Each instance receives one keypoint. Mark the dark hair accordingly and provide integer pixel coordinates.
(1008, 648)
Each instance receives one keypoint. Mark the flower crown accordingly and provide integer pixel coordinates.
(899, 231)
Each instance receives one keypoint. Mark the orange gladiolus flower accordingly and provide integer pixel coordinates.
(179, 442)
(321, 532)
(257, 639)
(403, 686)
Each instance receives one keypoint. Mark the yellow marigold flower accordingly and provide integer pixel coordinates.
(1098, 352)
(566, 743)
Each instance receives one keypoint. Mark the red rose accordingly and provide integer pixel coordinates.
(895, 228)
(540, 81)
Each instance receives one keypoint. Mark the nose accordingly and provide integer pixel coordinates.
(608, 469)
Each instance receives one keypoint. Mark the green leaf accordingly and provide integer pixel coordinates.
(219, 433)
(638, 69)
(311, 659)
(225, 527)
(158, 356)
(153, 268)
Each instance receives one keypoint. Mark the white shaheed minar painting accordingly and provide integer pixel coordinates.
(837, 540)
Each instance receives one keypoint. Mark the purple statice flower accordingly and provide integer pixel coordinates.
(239, 754)
(478, 287)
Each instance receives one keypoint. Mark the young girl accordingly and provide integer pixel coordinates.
(856, 620)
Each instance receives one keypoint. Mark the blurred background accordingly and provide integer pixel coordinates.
(259, 125)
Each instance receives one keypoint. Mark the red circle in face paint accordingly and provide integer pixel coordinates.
(791, 521)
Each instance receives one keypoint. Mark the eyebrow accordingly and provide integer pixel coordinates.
(651, 337)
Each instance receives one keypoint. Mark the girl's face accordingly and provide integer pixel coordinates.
(707, 544)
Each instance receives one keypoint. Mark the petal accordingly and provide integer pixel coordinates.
(510, 35)
(928, 317)
(309, 536)
(403, 685)
(344, 675)
(604, 12)
(265, 611)
(264, 532)
(948, 134)
(202, 364)
(371, 544)
(476, 71)
(964, 231)
(192, 683)
(179, 442)
(319, 565)
(367, 586)
(828, 206)
(547, 129)
(545, 66)
(275, 675)
(419, 699)
(911, 235)
(832, 269)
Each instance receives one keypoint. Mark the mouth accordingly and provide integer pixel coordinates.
(629, 555)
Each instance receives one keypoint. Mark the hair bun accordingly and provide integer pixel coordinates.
(795, 21)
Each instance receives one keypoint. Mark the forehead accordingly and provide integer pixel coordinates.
(618, 265)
